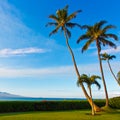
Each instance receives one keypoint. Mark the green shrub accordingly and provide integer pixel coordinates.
(61, 105)
(100, 102)
(24, 106)
(16, 106)
(115, 102)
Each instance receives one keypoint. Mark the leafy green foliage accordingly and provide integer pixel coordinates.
(115, 102)
(24, 106)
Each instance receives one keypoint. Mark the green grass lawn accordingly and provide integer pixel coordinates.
(66, 115)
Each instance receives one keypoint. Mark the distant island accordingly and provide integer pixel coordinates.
(8, 95)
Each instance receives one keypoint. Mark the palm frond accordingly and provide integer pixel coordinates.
(106, 28)
(71, 25)
(100, 24)
(51, 23)
(55, 30)
(85, 47)
(86, 27)
(66, 7)
(62, 13)
(109, 43)
(73, 15)
(111, 36)
(83, 37)
(78, 83)
(97, 84)
(95, 77)
(104, 56)
(54, 18)
(112, 56)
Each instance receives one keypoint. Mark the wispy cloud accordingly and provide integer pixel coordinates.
(111, 50)
(24, 51)
(53, 71)
(35, 72)
(14, 33)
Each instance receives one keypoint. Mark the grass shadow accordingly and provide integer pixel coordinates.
(96, 114)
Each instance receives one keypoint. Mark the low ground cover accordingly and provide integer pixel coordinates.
(61, 115)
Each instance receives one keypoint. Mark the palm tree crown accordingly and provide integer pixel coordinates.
(99, 34)
(62, 20)
(106, 56)
(89, 80)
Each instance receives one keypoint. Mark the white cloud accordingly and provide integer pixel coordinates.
(13, 52)
(111, 50)
(53, 71)
(12, 29)
(14, 33)
(32, 72)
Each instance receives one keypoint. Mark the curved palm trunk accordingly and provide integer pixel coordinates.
(96, 108)
(112, 72)
(93, 112)
(102, 74)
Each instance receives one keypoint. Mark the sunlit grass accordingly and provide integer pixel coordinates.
(64, 115)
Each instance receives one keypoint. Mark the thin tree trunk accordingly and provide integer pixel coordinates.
(93, 112)
(102, 74)
(112, 71)
(96, 108)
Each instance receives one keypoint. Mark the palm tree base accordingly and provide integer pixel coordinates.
(97, 109)
(107, 109)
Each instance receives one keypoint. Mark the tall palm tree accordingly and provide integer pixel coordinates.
(98, 34)
(109, 57)
(63, 21)
(90, 80)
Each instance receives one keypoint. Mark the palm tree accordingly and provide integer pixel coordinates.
(98, 34)
(89, 80)
(63, 21)
(109, 57)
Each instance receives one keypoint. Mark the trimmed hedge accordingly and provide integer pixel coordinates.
(25, 106)
(16, 106)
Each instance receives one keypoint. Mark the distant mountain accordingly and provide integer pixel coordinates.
(8, 95)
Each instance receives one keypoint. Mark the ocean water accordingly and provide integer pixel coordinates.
(39, 99)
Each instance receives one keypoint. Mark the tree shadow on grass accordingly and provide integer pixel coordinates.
(96, 114)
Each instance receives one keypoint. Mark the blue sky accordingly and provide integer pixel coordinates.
(34, 64)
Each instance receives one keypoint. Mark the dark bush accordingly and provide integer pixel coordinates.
(100, 102)
(24, 106)
(115, 102)
(16, 106)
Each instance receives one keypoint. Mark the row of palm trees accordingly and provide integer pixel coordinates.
(96, 33)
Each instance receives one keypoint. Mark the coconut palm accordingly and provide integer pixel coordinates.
(109, 57)
(63, 21)
(90, 80)
(98, 34)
